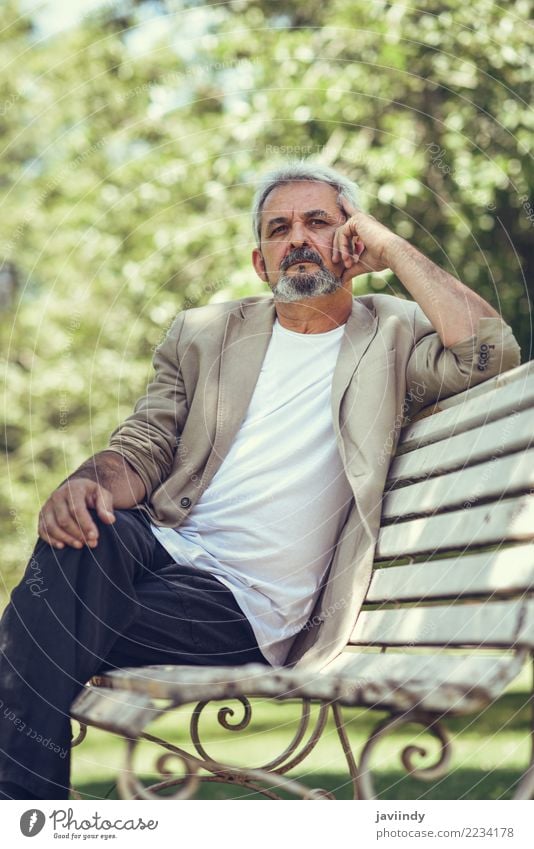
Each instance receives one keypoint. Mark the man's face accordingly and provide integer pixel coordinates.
(298, 224)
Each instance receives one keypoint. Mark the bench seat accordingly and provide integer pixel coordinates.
(448, 683)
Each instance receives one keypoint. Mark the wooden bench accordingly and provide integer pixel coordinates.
(448, 621)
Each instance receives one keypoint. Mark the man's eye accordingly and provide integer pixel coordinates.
(319, 221)
(278, 229)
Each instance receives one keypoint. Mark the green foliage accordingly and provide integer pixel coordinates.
(131, 146)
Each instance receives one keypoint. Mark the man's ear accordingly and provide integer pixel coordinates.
(259, 264)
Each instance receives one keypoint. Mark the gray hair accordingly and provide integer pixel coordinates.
(300, 170)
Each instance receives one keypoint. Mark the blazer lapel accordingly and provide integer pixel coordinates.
(246, 339)
(360, 330)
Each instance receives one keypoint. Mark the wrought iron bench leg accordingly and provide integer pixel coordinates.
(362, 781)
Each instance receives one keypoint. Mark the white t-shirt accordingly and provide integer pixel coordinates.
(269, 521)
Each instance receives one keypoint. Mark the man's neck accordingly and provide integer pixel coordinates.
(315, 315)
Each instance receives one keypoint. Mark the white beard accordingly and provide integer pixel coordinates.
(297, 287)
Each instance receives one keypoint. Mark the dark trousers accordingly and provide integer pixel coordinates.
(78, 612)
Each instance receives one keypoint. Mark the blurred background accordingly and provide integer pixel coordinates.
(132, 135)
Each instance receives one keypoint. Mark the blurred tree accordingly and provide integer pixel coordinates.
(131, 144)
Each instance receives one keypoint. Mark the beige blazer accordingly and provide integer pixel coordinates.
(391, 363)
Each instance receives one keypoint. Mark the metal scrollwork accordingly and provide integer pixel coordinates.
(269, 779)
(364, 788)
(80, 737)
(225, 712)
(266, 779)
(130, 787)
(223, 715)
(289, 757)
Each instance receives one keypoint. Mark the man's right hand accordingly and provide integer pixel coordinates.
(64, 518)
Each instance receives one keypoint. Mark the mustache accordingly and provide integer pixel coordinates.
(301, 255)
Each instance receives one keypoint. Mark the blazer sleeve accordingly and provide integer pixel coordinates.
(149, 436)
(434, 371)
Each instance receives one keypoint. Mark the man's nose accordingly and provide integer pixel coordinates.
(298, 235)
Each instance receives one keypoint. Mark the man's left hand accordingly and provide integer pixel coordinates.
(362, 244)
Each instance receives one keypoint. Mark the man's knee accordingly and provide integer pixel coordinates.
(128, 533)
(128, 527)
(124, 518)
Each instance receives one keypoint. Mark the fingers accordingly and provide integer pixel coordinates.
(347, 247)
(347, 207)
(49, 529)
(74, 519)
(339, 244)
(65, 519)
(103, 504)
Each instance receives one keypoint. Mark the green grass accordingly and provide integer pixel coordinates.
(490, 751)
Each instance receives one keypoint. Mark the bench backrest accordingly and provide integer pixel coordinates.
(455, 556)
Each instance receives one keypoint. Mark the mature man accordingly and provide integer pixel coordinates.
(234, 515)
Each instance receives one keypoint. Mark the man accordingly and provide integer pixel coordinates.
(233, 517)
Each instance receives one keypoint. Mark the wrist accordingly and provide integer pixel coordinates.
(113, 472)
(102, 468)
(86, 471)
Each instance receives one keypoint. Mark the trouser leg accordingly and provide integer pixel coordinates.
(188, 617)
(66, 615)
(62, 619)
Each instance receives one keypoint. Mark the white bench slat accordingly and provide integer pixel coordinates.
(430, 681)
(503, 436)
(499, 623)
(527, 626)
(497, 478)
(120, 712)
(487, 524)
(509, 570)
(515, 375)
(474, 412)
